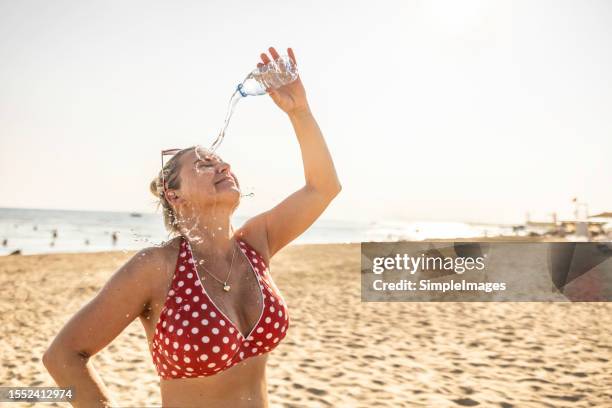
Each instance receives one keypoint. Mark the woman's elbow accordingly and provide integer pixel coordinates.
(332, 190)
(50, 352)
(326, 191)
(50, 358)
(337, 189)
(55, 355)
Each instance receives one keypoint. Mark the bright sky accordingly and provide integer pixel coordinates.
(433, 110)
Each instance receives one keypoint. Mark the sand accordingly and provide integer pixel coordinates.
(339, 352)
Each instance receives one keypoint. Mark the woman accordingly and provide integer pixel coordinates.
(209, 307)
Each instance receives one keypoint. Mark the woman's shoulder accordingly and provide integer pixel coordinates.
(156, 258)
(165, 252)
(154, 267)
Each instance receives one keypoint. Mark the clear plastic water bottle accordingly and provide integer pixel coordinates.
(273, 75)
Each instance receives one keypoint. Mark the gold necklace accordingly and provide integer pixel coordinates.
(226, 287)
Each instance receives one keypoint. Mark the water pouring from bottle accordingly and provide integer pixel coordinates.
(273, 75)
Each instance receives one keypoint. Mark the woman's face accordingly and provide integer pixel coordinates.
(206, 180)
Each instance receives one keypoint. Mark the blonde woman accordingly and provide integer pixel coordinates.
(208, 304)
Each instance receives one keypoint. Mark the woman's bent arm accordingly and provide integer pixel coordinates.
(123, 298)
(292, 216)
(70, 369)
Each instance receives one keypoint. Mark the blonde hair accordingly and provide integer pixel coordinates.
(170, 171)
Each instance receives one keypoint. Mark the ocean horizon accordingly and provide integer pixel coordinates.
(38, 231)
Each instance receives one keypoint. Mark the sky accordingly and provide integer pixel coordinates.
(477, 111)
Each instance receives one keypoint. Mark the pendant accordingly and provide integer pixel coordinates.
(226, 287)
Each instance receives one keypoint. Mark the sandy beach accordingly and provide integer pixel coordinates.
(339, 352)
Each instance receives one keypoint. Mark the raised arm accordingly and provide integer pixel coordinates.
(291, 217)
(122, 299)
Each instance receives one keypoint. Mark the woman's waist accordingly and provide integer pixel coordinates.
(243, 385)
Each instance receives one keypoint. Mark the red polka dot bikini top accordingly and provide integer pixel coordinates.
(194, 338)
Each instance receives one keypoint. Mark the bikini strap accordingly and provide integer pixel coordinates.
(258, 267)
(181, 260)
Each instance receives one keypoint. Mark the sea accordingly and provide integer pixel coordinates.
(38, 231)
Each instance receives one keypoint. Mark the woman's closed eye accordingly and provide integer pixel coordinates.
(206, 163)
(202, 163)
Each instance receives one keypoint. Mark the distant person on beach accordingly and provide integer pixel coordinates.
(54, 234)
(4, 242)
(114, 238)
(206, 298)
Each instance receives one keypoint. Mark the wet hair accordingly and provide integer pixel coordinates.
(171, 171)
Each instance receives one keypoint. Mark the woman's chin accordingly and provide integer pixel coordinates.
(230, 193)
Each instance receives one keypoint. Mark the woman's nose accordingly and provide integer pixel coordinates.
(224, 167)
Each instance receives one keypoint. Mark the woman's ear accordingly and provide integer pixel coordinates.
(171, 197)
